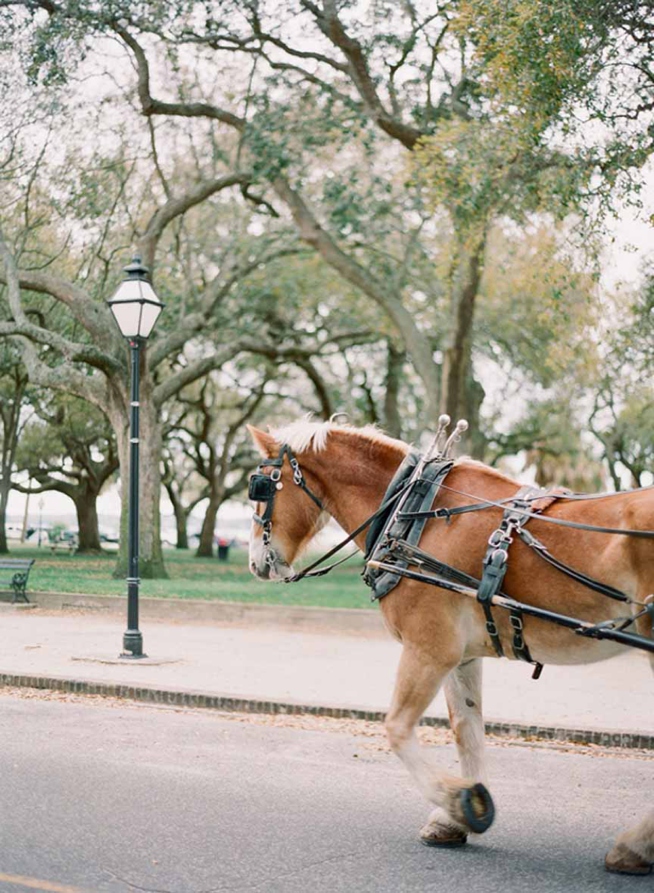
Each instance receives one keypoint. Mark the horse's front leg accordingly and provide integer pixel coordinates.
(464, 804)
(463, 695)
(633, 852)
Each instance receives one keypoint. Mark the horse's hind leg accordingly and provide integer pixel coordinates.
(466, 805)
(463, 695)
(633, 852)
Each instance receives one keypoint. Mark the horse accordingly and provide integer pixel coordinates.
(344, 472)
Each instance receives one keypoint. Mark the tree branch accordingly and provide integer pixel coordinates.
(175, 207)
(192, 372)
(92, 316)
(313, 234)
(151, 106)
(331, 26)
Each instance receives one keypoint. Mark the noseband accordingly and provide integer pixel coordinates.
(263, 488)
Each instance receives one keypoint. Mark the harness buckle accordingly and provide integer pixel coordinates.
(516, 623)
(491, 628)
(500, 537)
(297, 471)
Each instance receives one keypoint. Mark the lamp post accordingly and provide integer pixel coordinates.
(41, 504)
(136, 308)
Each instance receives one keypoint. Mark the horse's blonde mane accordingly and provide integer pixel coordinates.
(306, 434)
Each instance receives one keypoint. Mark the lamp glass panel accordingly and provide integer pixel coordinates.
(129, 290)
(127, 315)
(148, 293)
(149, 315)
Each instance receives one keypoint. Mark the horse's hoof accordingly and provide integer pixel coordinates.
(446, 838)
(477, 807)
(622, 860)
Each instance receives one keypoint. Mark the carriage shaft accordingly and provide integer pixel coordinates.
(580, 627)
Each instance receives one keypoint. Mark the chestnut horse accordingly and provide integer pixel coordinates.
(346, 471)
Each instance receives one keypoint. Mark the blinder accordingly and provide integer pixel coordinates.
(262, 487)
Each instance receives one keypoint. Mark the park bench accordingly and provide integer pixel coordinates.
(67, 545)
(13, 576)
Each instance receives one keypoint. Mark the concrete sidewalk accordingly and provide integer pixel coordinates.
(254, 666)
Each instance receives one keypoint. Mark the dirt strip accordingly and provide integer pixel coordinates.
(533, 734)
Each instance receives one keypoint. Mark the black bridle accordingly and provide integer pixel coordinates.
(264, 487)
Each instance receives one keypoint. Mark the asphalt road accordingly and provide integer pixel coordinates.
(102, 796)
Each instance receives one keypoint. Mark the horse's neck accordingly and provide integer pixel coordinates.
(354, 474)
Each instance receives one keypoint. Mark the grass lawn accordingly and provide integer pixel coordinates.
(191, 577)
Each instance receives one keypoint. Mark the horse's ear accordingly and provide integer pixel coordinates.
(264, 442)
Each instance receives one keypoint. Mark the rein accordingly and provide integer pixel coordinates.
(309, 571)
(489, 503)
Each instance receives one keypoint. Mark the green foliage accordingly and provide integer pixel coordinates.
(67, 438)
(530, 56)
(539, 308)
(630, 436)
(623, 412)
(540, 68)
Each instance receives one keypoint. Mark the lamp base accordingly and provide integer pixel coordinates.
(132, 644)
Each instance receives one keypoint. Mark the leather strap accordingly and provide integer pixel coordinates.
(495, 565)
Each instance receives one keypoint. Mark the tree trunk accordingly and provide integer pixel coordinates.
(4, 498)
(181, 541)
(10, 429)
(5, 489)
(392, 417)
(461, 394)
(205, 546)
(181, 517)
(87, 521)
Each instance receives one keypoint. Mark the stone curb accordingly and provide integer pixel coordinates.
(231, 704)
(187, 610)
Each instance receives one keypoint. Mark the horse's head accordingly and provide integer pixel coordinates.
(288, 510)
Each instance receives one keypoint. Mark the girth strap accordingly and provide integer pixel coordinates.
(494, 571)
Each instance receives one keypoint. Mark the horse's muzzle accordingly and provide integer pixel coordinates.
(273, 568)
(262, 573)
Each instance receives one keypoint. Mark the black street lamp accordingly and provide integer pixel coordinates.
(135, 307)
